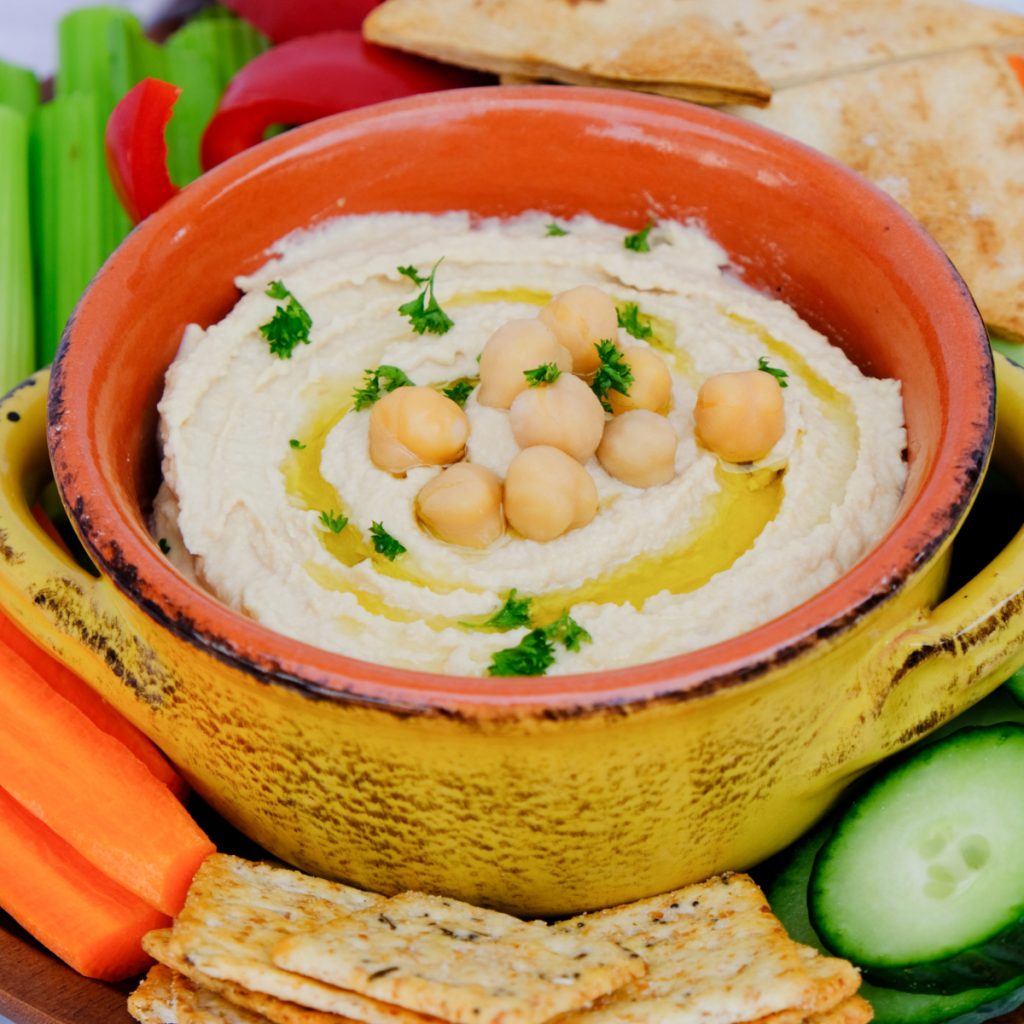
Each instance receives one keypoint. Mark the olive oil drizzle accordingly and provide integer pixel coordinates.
(729, 525)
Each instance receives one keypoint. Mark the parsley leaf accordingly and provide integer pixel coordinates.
(567, 630)
(296, 444)
(165, 547)
(513, 613)
(554, 230)
(461, 390)
(384, 544)
(334, 521)
(613, 374)
(532, 656)
(779, 375)
(638, 242)
(289, 325)
(546, 373)
(389, 377)
(424, 313)
(629, 318)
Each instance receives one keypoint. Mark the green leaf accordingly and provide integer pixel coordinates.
(384, 544)
(296, 444)
(424, 313)
(546, 373)
(334, 521)
(613, 374)
(568, 631)
(779, 375)
(289, 325)
(629, 318)
(461, 390)
(638, 242)
(388, 378)
(553, 230)
(532, 656)
(513, 613)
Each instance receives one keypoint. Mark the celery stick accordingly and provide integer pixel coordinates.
(132, 56)
(17, 320)
(70, 242)
(227, 44)
(19, 89)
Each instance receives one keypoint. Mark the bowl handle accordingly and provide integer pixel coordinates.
(973, 639)
(61, 605)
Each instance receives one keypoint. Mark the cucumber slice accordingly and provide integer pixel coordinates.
(787, 894)
(921, 882)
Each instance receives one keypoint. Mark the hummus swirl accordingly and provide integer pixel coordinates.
(256, 447)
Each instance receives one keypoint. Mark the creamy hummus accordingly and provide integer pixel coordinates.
(256, 447)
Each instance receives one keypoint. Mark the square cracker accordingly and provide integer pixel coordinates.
(577, 41)
(237, 910)
(716, 954)
(461, 963)
(152, 1002)
(195, 1005)
(943, 136)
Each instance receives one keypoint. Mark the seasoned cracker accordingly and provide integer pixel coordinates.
(152, 1002)
(460, 963)
(577, 42)
(716, 955)
(158, 945)
(197, 1005)
(237, 910)
(855, 1010)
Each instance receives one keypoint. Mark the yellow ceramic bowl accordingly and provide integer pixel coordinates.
(538, 796)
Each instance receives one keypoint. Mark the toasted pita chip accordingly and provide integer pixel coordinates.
(577, 41)
(153, 1001)
(461, 963)
(236, 912)
(795, 41)
(854, 1010)
(158, 945)
(716, 955)
(196, 1005)
(943, 136)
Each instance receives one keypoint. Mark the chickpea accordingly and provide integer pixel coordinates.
(639, 448)
(416, 426)
(462, 505)
(548, 493)
(652, 382)
(566, 415)
(739, 416)
(580, 318)
(513, 348)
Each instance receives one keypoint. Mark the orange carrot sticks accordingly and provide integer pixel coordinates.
(93, 792)
(15, 643)
(87, 920)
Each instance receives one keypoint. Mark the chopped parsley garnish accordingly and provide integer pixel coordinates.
(334, 521)
(532, 656)
(388, 378)
(513, 613)
(165, 547)
(779, 375)
(535, 653)
(555, 230)
(629, 318)
(384, 544)
(295, 443)
(638, 241)
(613, 374)
(461, 390)
(566, 629)
(546, 373)
(424, 313)
(289, 325)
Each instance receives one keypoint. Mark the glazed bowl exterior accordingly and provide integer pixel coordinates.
(539, 796)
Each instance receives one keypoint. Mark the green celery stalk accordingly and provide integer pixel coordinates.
(17, 317)
(19, 89)
(225, 43)
(132, 56)
(70, 243)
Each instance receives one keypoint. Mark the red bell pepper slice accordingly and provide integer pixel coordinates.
(136, 147)
(285, 19)
(315, 76)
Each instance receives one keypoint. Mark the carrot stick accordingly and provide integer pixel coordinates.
(15, 643)
(1017, 63)
(94, 793)
(90, 922)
